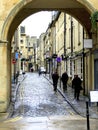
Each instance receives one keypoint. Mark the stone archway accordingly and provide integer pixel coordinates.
(80, 9)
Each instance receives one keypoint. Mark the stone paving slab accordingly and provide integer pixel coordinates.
(80, 105)
(48, 123)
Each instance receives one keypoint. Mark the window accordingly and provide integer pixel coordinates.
(21, 41)
(22, 29)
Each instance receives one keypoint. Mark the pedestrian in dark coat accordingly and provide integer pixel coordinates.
(76, 84)
(39, 71)
(55, 78)
(64, 79)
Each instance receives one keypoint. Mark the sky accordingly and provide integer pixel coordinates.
(37, 23)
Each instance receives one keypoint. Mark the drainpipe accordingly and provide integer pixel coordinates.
(71, 44)
(83, 66)
(65, 41)
(71, 36)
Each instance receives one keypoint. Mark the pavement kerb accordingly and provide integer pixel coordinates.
(11, 109)
(78, 112)
(75, 109)
(70, 103)
(9, 112)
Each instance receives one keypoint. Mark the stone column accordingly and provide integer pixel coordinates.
(4, 77)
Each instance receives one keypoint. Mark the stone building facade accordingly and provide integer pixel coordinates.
(13, 12)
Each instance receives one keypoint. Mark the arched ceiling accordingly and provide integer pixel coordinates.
(79, 11)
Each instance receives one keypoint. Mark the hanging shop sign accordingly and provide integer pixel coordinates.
(88, 43)
(58, 59)
(54, 56)
(16, 55)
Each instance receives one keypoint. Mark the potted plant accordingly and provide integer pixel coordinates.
(94, 20)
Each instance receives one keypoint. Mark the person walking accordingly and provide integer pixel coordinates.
(76, 85)
(64, 79)
(39, 71)
(55, 78)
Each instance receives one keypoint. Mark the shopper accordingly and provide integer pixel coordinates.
(76, 85)
(64, 79)
(55, 78)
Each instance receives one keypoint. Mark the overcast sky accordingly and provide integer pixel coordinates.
(37, 23)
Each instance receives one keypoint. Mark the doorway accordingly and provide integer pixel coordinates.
(96, 74)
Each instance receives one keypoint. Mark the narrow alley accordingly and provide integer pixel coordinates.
(37, 107)
(36, 98)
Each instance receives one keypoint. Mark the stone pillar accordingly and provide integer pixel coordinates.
(4, 77)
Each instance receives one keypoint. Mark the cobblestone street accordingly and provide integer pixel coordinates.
(35, 97)
(37, 107)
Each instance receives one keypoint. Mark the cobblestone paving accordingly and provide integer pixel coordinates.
(37, 107)
(35, 97)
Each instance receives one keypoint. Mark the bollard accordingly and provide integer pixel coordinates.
(97, 106)
(87, 114)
